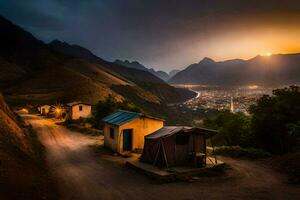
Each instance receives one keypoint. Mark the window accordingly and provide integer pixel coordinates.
(111, 133)
(182, 139)
(80, 108)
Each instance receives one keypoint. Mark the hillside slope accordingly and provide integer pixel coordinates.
(23, 173)
(136, 74)
(279, 69)
(36, 73)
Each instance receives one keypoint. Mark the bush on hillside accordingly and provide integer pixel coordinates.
(275, 120)
(239, 152)
(110, 105)
(234, 129)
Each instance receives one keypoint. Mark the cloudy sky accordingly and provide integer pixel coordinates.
(164, 34)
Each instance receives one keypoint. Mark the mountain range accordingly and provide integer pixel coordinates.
(136, 65)
(33, 72)
(274, 70)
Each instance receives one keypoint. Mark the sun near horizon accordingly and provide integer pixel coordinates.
(267, 54)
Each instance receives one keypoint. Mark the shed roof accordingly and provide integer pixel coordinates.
(170, 130)
(121, 117)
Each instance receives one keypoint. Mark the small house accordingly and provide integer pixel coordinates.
(125, 131)
(79, 110)
(173, 146)
(44, 109)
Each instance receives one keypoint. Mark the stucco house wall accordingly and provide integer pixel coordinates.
(140, 128)
(85, 112)
(45, 109)
(108, 141)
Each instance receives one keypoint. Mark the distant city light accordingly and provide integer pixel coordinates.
(253, 87)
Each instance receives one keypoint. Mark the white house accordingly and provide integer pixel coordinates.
(79, 110)
(44, 109)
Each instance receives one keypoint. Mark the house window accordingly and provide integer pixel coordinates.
(111, 133)
(80, 108)
(182, 139)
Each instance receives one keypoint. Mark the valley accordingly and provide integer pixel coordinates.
(235, 99)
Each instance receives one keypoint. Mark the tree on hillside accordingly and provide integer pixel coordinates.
(234, 129)
(275, 120)
(110, 105)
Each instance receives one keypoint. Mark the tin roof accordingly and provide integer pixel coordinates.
(170, 130)
(121, 117)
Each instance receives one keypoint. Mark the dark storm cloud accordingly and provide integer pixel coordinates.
(156, 32)
(26, 13)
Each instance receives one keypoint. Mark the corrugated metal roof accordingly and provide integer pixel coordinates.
(170, 130)
(121, 117)
(165, 131)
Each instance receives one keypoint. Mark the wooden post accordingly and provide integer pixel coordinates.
(165, 156)
(156, 157)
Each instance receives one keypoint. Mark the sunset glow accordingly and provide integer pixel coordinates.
(170, 35)
(266, 54)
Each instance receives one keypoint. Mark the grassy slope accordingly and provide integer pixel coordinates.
(23, 172)
(142, 79)
(65, 83)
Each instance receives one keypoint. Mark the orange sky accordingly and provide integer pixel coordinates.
(164, 34)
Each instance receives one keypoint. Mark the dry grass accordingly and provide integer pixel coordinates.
(23, 172)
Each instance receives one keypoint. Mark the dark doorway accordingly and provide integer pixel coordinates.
(127, 140)
(182, 149)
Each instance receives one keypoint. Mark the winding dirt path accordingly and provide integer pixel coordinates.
(81, 174)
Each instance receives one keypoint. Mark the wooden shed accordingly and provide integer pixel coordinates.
(176, 146)
(125, 131)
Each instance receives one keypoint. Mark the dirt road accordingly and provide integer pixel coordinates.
(82, 174)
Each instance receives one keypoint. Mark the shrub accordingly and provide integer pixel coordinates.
(104, 108)
(234, 129)
(275, 120)
(237, 151)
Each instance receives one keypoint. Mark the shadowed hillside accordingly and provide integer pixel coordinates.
(137, 73)
(23, 173)
(36, 73)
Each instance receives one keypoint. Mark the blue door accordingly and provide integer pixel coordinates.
(127, 140)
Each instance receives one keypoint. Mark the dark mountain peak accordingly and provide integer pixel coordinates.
(74, 50)
(136, 63)
(127, 61)
(132, 64)
(173, 72)
(276, 69)
(56, 42)
(206, 60)
(152, 70)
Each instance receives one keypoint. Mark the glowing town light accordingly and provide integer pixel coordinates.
(253, 87)
(24, 110)
(57, 110)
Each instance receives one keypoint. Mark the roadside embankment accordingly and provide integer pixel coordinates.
(23, 170)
